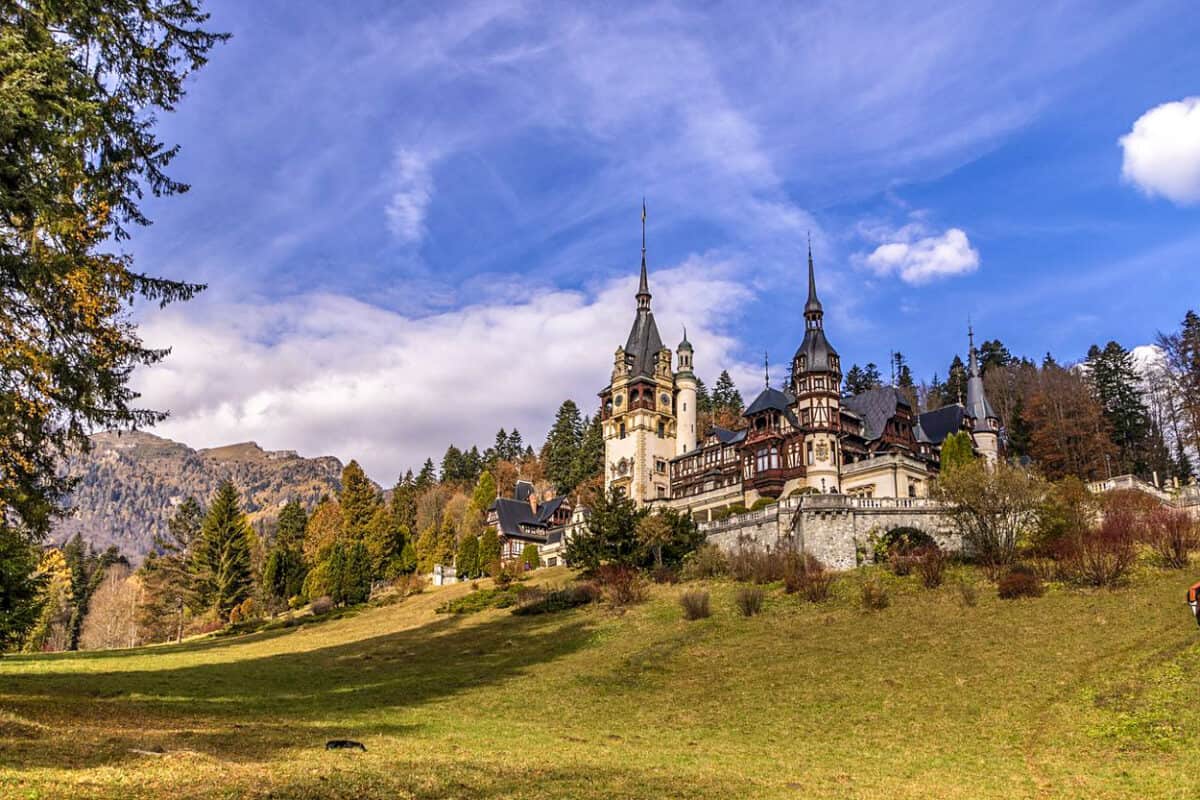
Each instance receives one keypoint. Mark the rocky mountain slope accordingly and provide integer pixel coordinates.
(131, 482)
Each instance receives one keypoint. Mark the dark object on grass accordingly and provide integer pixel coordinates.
(1019, 581)
(345, 744)
(1193, 599)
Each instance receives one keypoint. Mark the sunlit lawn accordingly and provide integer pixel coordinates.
(1077, 694)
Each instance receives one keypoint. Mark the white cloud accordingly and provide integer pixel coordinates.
(919, 258)
(327, 374)
(1162, 152)
(411, 195)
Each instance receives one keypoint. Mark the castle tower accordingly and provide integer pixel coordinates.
(685, 399)
(986, 425)
(637, 408)
(816, 382)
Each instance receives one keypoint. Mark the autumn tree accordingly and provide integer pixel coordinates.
(1068, 432)
(992, 507)
(49, 633)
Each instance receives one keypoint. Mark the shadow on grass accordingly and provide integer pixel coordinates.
(248, 709)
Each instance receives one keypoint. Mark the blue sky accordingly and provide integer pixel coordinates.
(420, 222)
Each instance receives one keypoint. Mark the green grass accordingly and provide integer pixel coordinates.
(1074, 694)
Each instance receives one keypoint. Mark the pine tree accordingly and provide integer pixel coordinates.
(1115, 384)
(590, 461)
(170, 583)
(954, 390)
(516, 447)
(225, 549)
(611, 536)
(20, 588)
(358, 501)
(992, 354)
(323, 530)
(427, 476)
(560, 454)
(725, 396)
(704, 403)
(530, 558)
(289, 532)
(453, 465)
(404, 502)
(385, 540)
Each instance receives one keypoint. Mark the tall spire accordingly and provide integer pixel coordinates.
(766, 370)
(813, 306)
(643, 295)
(972, 357)
(978, 406)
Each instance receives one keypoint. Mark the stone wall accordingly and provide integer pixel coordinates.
(834, 528)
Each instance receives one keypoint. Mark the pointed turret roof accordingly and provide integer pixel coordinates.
(815, 348)
(978, 406)
(644, 343)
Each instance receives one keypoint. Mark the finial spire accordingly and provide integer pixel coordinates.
(643, 295)
(813, 306)
(766, 370)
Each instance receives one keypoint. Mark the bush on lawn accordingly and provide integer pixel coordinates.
(875, 594)
(706, 561)
(931, 565)
(749, 600)
(695, 604)
(622, 585)
(1102, 556)
(1020, 581)
(1173, 534)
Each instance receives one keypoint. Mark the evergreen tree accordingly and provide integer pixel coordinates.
(385, 540)
(466, 560)
(954, 390)
(485, 493)
(516, 447)
(293, 520)
(358, 501)
(704, 403)
(408, 558)
(992, 354)
(404, 503)
(20, 588)
(530, 559)
(82, 85)
(225, 549)
(725, 396)
(489, 550)
(871, 376)
(859, 380)
(611, 536)
(427, 476)
(455, 466)
(284, 573)
(591, 451)
(169, 580)
(87, 571)
(560, 454)
(957, 451)
(1115, 384)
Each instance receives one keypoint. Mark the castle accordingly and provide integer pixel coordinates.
(806, 439)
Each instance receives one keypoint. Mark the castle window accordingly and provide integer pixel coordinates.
(766, 458)
(622, 434)
(662, 429)
(810, 454)
(685, 405)
(660, 466)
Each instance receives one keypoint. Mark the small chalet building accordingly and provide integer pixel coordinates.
(524, 519)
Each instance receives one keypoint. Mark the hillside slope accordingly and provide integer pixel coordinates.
(1075, 694)
(131, 482)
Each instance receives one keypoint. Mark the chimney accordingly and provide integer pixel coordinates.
(533, 502)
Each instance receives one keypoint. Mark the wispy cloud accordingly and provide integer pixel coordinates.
(411, 195)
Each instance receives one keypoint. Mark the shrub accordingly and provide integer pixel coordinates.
(1020, 581)
(901, 563)
(1173, 535)
(622, 585)
(755, 565)
(803, 490)
(737, 508)
(695, 604)
(706, 561)
(1103, 556)
(322, 605)
(903, 540)
(874, 594)
(749, 600)
(719, 514)
(529, 557)
(538, 601)
(931, 565)
(411, 584)
(807, 575)
(664, 574)
(762, 503)
(968, 593)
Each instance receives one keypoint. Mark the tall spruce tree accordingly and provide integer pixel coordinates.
(225, 549)
(560, 454)
(725, 395)
(1115, 384)
(590, 462)
(427, 476)
(703, 398)
(358, 500)
(954, 390)
(169, 581)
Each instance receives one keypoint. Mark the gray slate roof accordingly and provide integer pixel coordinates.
(875, 407)
(643, 344)
(941, 422)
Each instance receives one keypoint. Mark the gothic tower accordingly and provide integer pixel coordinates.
(637, 408)
(816, 382)
(986, 425)
(685, 399)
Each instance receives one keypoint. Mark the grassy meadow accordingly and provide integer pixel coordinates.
(1089, 694)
